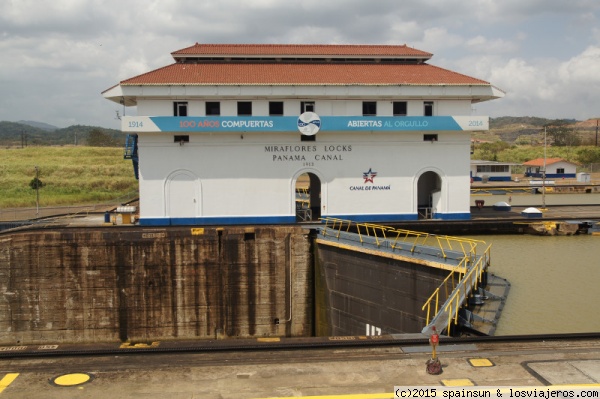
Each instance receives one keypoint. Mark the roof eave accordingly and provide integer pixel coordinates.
(305, 84)
(116, 94)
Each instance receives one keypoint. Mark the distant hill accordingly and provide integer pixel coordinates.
(519, 129)
(16, 134)
(40, 125)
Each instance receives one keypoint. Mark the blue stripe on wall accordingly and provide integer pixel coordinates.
(290, 219)
(217, 220)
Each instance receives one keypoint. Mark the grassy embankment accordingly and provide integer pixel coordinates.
(71, 176)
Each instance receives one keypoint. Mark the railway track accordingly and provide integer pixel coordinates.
(518, 343)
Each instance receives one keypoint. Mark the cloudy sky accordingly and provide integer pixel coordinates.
(56, 57)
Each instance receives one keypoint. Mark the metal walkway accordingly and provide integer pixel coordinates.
(464, 259)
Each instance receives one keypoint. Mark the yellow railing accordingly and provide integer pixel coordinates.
(393, 236)
(470, 279)
(302, 190)
(435, 297)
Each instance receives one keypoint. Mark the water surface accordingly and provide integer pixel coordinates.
(555, 283)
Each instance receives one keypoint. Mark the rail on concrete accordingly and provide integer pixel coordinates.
(464, 258)
(31, 213)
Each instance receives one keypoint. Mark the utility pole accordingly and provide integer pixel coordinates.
(596, 132)
(37, 192)
(544, 175)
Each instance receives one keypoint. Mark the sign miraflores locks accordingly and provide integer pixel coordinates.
(307, 153)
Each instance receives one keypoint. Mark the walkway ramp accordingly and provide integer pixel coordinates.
(465, 260)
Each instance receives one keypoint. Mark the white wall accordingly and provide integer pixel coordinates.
(240, 177)
(568, 167)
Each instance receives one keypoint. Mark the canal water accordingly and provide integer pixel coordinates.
(555, 283)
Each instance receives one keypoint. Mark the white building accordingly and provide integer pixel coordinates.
(482, 170)
(231, 134)
(556, 168)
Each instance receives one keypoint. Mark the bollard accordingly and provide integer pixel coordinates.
(434, 366)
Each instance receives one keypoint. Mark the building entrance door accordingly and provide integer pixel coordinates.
(182, 195)
(428, 184)
(308, 197)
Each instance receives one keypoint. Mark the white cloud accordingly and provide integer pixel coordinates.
(582, 69)
(58, 56)
(482, 45)
(548, 87)
(436, 38)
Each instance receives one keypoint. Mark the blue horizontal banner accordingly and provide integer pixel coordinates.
(293, 123)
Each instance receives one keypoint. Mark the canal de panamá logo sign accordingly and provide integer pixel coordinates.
(369, 176)
(309, 123)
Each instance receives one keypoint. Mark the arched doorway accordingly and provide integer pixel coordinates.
(429, 189)
(182, 195)
(308, 197)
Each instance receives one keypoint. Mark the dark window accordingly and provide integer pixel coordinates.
(430, 137)
(181, 139)
(560, 170)
(213, 108)
(307, 106)
(244, 108)
(400, 108)
(492, 168)
(308, 138)
(180, 109)
(428, 108)
(276, 108)
(369, 108)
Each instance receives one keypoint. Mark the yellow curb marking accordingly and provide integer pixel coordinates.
(69, 380)
(128, 345)
(457, 382)
(351, 396)
(268, 339)
(7, 380)
(481, 362)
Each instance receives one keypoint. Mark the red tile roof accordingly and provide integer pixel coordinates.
(301, 74)
(302, 50)
(540, 161)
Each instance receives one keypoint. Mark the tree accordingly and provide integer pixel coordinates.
(97, 138)
(561, 135)
(588, 155)
(490, 151)
(36, 183)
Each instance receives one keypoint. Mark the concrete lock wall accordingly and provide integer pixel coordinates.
(363, 294)
(132, 284)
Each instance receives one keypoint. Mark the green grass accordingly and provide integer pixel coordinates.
(71, 175)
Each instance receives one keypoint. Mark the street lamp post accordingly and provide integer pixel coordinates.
(37, 192)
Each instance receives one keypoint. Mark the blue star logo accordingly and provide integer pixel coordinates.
(369, 176)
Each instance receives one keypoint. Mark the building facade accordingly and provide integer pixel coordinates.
(485, 171)
(260, 134)
(556, 168)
